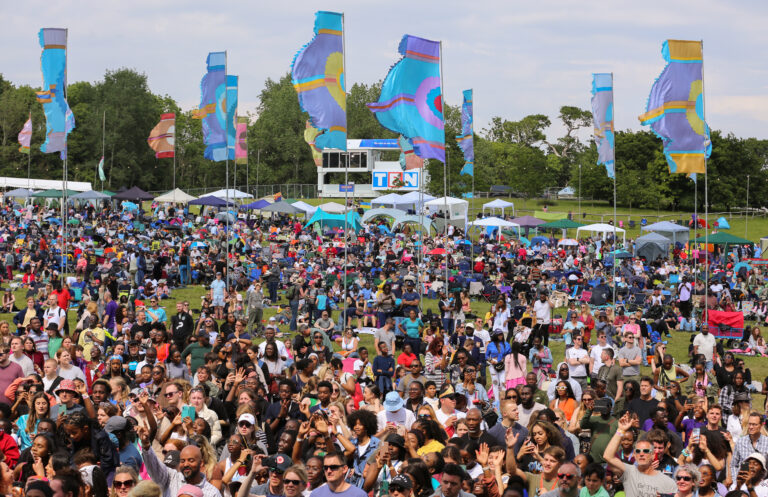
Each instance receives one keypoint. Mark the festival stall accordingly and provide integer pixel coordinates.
(674, 232)
(651, 246)
(498, 204)
(602, 229)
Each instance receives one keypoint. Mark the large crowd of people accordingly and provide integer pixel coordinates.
(519, 376)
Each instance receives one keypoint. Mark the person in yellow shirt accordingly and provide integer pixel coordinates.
(92, 336)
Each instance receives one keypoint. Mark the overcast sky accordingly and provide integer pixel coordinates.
(519, 57)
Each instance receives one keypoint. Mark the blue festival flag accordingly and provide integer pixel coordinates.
(317, 73)
(675, 110)
(602, 117)
(232, 82)
(466, 140)
(411, 101)
(59, 120)
(213, 107)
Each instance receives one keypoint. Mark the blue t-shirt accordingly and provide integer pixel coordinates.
(412, 327)
(130, 456)
(218, 287)
(322, 302)
(325, 491)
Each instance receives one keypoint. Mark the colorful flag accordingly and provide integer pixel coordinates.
(310, 135)
(162, 138)
(602, 117)
(317, 72)
(102, 176)
(213, 107)
(675, 110)
(241, 141)
(466, 140)
(411, 101)
(231, 116)
(59, 120)
(25, 136)
(277, 197)
(408, 159)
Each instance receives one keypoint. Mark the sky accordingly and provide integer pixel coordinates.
(520, 58)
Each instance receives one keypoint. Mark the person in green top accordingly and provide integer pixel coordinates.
(593, 475)
(411, 327)
(197, 350)
(599, 421)
(54, 339)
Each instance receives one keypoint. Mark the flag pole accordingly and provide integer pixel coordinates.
(706, 197)
(445, 177)
(29, 157)
(175, 129)
(64, 182)
(346, 169)
(226, 149)
(613, 272)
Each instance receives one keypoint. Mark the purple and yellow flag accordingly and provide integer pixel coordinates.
(59, 120)
(317, 72)
(602, 117)
(232, 82)
(162, 137)
(675, 110)
(310, 136)
(213, 107)
(241, 142)
(411, 101)
(25, 136)
(466, 140)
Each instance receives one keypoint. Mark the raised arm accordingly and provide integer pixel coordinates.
(613, 446)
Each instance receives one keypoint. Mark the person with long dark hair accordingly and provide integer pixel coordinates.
(515, 366)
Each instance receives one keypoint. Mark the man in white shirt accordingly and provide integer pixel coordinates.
(447, 415)
(54, 314)
(704, 344)
(18, 356)
(543, 310)
(393, 415)
(269, 335)
(577, 359)
(596, 352)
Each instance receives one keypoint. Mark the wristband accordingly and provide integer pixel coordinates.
(86, 396)
(299, 439)
(685, 453)
(619, 432)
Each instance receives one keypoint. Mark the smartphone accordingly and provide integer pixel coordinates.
(744, 466)
(188, 412)
(695, 433)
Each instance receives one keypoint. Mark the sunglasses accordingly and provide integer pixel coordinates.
(566, 476)
(683, 478)
(562, 388)
(332, 467)
(244, 424)
(275, 471)
(643, 451)
(397, 488)
(296, 483)
(123, 483)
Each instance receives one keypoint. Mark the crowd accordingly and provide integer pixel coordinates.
(262, 387)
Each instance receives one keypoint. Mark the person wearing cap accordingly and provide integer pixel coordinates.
(751, 481)
(190, 491)
(191, 469)
(447, 414)
(117, 427)
(394, 414)
(401, 486)
(277, 465)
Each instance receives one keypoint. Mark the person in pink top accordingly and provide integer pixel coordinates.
(515, 366)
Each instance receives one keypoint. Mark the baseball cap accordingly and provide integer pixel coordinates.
(247, 417)
(190, 490)
(172, 459)
(279, 461)
(115, 423)
(401, 481)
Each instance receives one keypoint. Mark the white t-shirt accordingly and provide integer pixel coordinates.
(580, 370)
(401, 417)
(543, 311)
(595, 353)
(442, 417)
(54, 315)
(498, 320)
(706, 345)
(281, 350)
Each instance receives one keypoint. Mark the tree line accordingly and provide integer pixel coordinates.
(512, 153)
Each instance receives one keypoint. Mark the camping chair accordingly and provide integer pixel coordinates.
(643, 222)
(631, 223)
(575, 292)
(585, 296)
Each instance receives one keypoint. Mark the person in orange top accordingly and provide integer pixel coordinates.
(564, 399)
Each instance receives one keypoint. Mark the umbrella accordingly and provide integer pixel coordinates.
(740, 265)
(620, 254)
(282, 207)
(568, 242)
(73, 221)
(437, 251)
(539, 239)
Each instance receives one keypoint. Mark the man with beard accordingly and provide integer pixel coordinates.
(278, 413)
(190, 468)
(528, 407)
(563, 374)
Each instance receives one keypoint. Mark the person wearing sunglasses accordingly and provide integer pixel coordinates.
(125, 479)
(568, 478)
(687, 479)
(336, 469)
(640, 480)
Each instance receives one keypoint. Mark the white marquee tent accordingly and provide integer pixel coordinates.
(495, 222)
(176, 196)
(603, 229)
(669, 230)
(413, 200)
(499, 204)
(457, 208)
(390, 200)
(332, 208)
(233, 194)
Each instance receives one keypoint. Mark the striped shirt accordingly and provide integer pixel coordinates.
(171, 480)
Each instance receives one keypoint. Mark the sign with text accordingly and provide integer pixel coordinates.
(394, 178)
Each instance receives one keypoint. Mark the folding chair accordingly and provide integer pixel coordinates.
(585, 296)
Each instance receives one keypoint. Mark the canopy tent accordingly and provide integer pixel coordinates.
(91, 195)
(19, 193)
(332, 207)
(107, 192)
(53, 194)
(652, 246)
(335, 220)
(282, 208)
(233, 194)
(722, 239)
(414, 200)
(602, 228)
(495, 222)
(381, 212)
(499, 204)
(254, 206)
(671, 231)
(175, 196)
(307, 208)
(391, 200)
(134, 194)
(528, 222)
(424, 221)
(457, 208)
(44, 184)
(210, 201)
(568, 191)
(561, 224)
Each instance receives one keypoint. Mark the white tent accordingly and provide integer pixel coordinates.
(604, 229)
(44, 184)
(457, 208)
(308, 209)
(233, 194)
(413, 200)
(390, 200)
(499, 204)
(495, 222)
(669, 230)
(332, 207)
(176, 196)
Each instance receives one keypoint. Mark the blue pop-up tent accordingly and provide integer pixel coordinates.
(722, 224)
(335, 220)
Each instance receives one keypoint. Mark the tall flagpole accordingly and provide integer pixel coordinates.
(175, 134)
(613, 272)
(445, 177)
(706, 197)
(346, 167)
(64, 182)
(103, 142)
(226, 208)
(29, 157)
